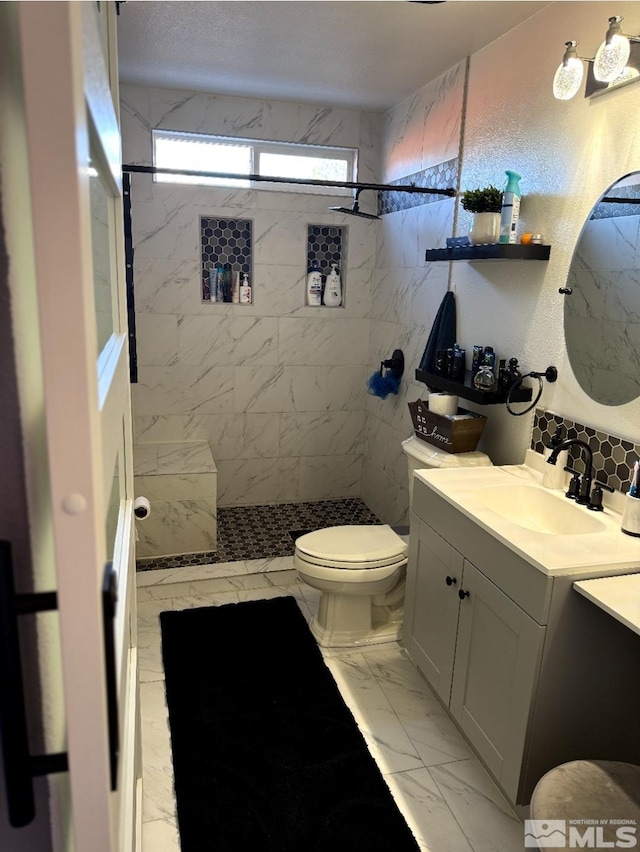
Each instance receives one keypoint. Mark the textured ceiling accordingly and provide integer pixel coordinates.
(361, 54)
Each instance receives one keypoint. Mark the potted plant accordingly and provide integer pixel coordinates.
(486, 204)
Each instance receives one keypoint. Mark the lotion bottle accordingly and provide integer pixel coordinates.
(332, 288)
(554, 475)
(314, 285)
(510, 212)
(245, 290)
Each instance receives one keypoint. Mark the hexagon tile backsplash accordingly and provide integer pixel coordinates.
(225, 240)
(613, 458)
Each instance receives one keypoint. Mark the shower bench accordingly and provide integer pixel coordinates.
(180, 481)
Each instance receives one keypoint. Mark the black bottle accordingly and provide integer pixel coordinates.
(502, 372)
(459, 355)
(513, 372)
(227, 280)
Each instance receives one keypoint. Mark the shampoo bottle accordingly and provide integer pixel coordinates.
(245, 290)
(332, 288)
(510, 208)
(554, 475)
(235, 287)
(219, 283)
(314, 285)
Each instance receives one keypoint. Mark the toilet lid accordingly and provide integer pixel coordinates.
(353, 545)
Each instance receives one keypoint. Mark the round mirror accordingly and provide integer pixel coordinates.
(602, 312)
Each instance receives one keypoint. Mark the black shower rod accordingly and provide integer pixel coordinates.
(345, 184)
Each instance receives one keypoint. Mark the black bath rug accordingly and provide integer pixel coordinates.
(267, 757)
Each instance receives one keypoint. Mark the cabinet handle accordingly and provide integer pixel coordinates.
(451, 581)
(462, 594)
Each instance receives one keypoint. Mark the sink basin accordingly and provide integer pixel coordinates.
(539, 510)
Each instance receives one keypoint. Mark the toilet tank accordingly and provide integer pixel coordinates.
(421, 455)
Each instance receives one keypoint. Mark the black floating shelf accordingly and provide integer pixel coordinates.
(491, 251)
(467, 390)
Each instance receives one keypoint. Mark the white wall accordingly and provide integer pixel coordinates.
(279, 389)
(420, 132)
(568, 153)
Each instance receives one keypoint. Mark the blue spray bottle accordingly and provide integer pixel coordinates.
(510, 208)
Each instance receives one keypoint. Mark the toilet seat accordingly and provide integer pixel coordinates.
(353, 547)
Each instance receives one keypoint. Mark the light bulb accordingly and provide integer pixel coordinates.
(613, 53)
(627, 75)
(568, 77)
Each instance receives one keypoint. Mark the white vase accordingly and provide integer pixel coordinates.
(485, 228)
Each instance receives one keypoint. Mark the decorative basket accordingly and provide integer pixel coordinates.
(457, 434)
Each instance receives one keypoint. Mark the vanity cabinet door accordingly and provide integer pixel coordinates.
(434, 575)
(498, 653)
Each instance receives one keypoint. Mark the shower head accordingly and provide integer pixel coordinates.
(354, 211)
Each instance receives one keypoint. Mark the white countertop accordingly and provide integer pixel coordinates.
(600, 553)
(617, 596)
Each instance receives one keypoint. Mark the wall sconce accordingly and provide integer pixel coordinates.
(568, 77)
(616, 63)
(613, 54)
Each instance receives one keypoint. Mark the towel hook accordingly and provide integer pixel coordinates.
(395, 364)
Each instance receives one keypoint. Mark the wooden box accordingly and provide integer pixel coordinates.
(448, 434)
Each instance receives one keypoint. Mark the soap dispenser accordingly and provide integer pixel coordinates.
(554, 475)
(332, 288)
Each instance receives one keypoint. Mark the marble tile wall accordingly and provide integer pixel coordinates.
(276, 388)
(601, 317)
(420, 134)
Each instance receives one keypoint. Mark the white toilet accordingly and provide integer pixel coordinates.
(361, 569)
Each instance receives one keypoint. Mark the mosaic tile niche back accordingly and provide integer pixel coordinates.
(613, 458)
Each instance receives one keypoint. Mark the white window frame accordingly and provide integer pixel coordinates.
(258, 147)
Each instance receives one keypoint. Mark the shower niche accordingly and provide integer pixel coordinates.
(327, 244)
(226, 243)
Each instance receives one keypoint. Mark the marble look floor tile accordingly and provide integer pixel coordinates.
(204, 599)
(428, 726)
(263, 594)
(196, 572)
(483, 813)
(451, 807)
(150, 663)
(160, 835)
(426, 812)
(283, 578)
(387, 740)
(198, 587)
(274, 563)
(158, 801)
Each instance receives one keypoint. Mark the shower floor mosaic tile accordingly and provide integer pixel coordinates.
(260, 532)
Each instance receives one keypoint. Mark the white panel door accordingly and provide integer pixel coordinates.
(498, 654)
(69, 72)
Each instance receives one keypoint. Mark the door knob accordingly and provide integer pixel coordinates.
(462, 594)
(451, 581)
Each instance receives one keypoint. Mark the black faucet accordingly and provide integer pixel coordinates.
(583, 495)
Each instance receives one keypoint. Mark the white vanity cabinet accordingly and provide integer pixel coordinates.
(530, 675)
(478, 649)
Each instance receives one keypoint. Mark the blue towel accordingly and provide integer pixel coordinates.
(443, 333)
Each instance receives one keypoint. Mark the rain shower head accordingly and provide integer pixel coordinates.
(355, 211)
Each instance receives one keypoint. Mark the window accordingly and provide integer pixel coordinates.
(175, 150)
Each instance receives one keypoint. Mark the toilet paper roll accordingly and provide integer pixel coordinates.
(141, 508)
(443, 403)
